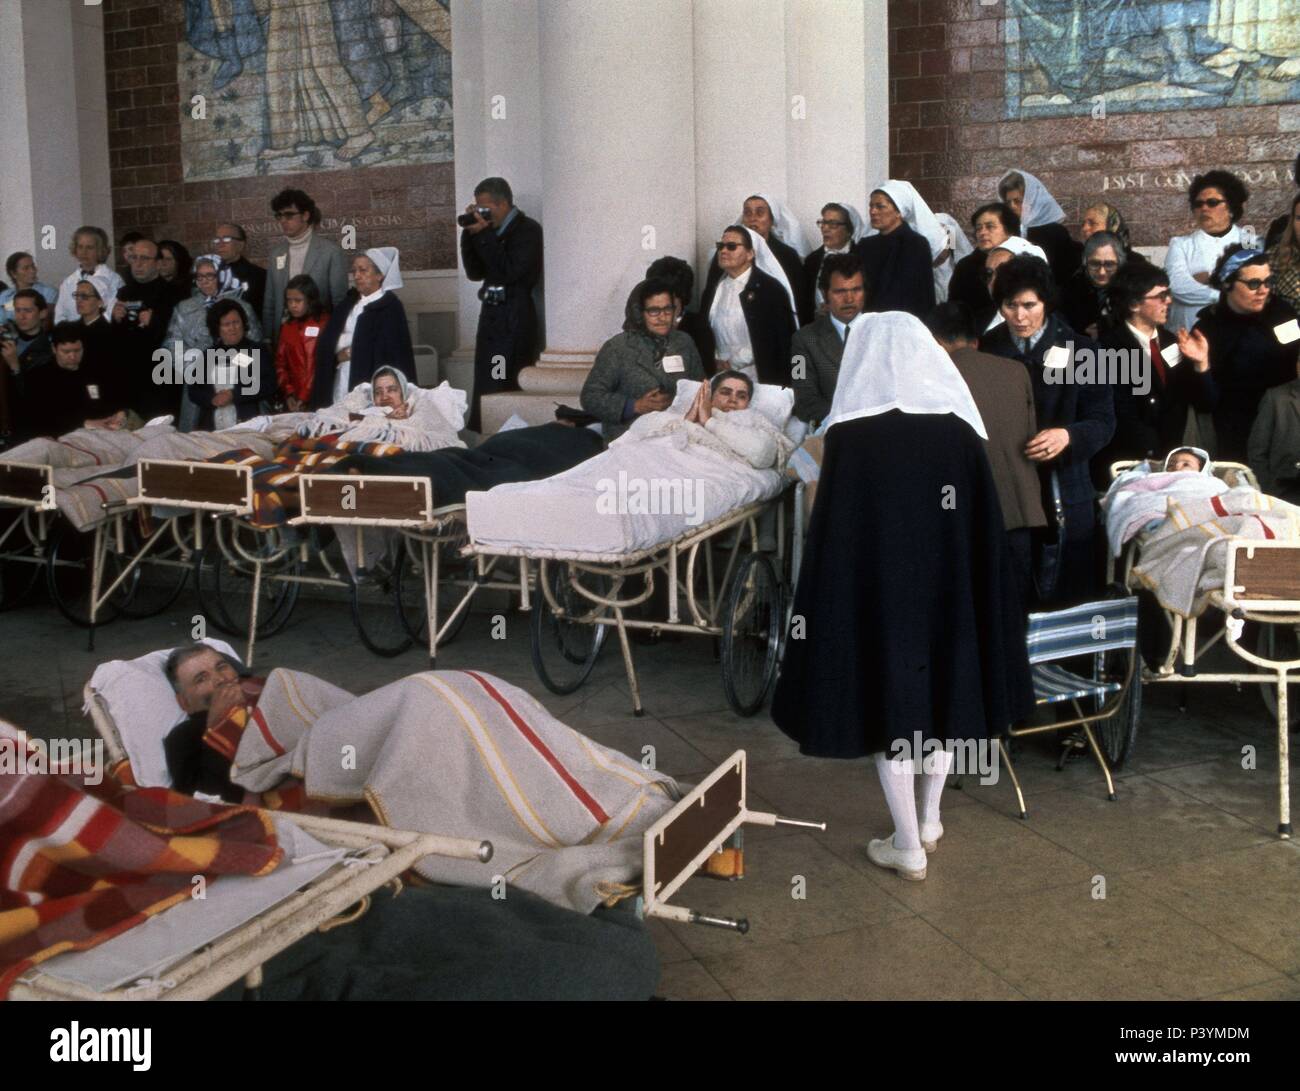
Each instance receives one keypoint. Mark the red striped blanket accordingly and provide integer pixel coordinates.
(78, 868)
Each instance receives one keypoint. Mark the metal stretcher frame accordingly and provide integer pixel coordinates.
(1261, 585)
(677, 560)
(27, 487)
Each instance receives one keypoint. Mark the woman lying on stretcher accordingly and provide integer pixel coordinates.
(721, 419)
(390, 410)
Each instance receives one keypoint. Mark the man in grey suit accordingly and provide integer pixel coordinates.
(300, 251)
(816, 349)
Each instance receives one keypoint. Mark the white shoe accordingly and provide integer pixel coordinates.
(930, 834)
(908, 863)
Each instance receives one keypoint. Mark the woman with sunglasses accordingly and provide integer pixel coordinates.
(750, 310)
(1150, 419)
(1254, 344)
(1218, 200)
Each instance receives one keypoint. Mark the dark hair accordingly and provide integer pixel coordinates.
(33, 295)
(179, 656)
(1010, 221)
(846, 265)
(1288, 242)
(496, 187)
(296, 198)
(651, 287)
(242, 236)
(832, 205)
(741, 229)
(1233, 189)
(182, 255)
(1025, 273)
(1013, 179)
(218, 311)
(1216, 277)
(66, 332)
(310, 292)
(1131, 285)
(1295, 170)
(11, 262)
(951, 322)
(728, 373)
(132, 236)
(677, 272)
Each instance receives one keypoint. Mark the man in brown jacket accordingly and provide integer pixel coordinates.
(1005, 398)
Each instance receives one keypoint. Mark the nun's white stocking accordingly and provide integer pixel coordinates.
(936, 767)
(896, 778)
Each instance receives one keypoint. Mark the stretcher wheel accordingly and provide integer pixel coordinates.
(156, 582)
(68, 577)
(410, 594)
(376, 609)
(753, 620)
(1118, 735)
(565, 648)
(225, 585)
(1280, 642)
(20, 569)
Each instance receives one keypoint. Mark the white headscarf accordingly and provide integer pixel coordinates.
(856, 219)
(1039, 207)
(1207, 467)
(101, 285)
(386, 259)
(1020, 246)
(766, 260)
(787, 228)
(960, 246)
(916, 214)
(893, 362)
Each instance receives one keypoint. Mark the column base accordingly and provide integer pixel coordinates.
(556, 378)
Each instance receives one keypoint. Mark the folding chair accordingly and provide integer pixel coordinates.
(1106, 631)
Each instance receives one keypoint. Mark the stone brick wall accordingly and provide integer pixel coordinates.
(953, 131)
(411, 207)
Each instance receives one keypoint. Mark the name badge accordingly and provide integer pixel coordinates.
(1172, 354)
(311, 331)
(1287, 332)
(1057, 356)
(675, 365)
(281, 260)
(93, 391)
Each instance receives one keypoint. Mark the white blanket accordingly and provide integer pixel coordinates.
(1139, 497)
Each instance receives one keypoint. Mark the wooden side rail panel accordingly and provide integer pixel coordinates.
(195, 484)
(698, 825)
(25, 482)
(1266, 573)
(353, 498)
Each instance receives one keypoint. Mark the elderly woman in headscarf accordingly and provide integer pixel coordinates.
(750, 310)
(213, 281)
(911, 632)
(899, 251)
(1084, 300)
(991, 224)
(1042, 221)
(958, 247)
(637, 371)
(1218, 201)
(1104, 217)
(842, 227)
(990, 317)
(390, 409)
(368, 330)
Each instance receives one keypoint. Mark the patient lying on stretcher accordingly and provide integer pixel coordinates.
(390, 409)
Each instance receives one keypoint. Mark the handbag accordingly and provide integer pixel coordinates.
(1047, 558)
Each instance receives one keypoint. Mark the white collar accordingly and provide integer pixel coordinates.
(1142, 338)
(738, 283)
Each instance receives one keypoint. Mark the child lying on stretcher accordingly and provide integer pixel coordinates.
(1138, 499)
(721, 419)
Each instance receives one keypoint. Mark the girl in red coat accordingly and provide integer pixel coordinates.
(295, 355)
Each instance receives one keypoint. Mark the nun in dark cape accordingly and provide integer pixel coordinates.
(907, 627)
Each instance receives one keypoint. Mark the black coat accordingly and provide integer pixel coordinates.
(969, 287)
(796, 272)
(254, 278)
(134, 346)
(1064, 255)
(900, 274)
(381, 338)
(1085, 410)
(1082, 303)
(1246, 359)
(910, 619)
(57, 401)
(512, 261)
(249, 402)
(769, 319)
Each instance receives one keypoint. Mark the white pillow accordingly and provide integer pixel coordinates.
(776, 403)
(452, 403)
(143, 706)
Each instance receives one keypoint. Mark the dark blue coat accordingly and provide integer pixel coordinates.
(381, 338)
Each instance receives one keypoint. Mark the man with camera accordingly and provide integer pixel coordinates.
(228, 244)
(140, 317)
(502, 248)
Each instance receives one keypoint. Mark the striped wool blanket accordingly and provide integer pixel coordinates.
(78, 868)
(465, 754)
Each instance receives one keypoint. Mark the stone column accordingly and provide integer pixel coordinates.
(618, 170)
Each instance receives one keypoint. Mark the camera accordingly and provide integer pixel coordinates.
(493, 295)
(8, 332)
(466, 220)
(133, 310)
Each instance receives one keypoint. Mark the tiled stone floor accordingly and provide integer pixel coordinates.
(1200, 895)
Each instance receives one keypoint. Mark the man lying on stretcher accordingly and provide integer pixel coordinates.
(459, 753)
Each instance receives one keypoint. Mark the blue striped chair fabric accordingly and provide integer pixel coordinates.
(1087, 629)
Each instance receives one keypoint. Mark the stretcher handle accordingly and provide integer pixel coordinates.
(766, 818)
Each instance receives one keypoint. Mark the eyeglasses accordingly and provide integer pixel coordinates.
(287, 214)
(1256, 283)
(205, 276)
(1160, 297)
(1209, 202)
(831, 223)
(729, 246)
(659, 312)
(230, 238)
(1099, 266)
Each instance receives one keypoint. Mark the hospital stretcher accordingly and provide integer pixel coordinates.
(1261, 589)
(580, 596)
